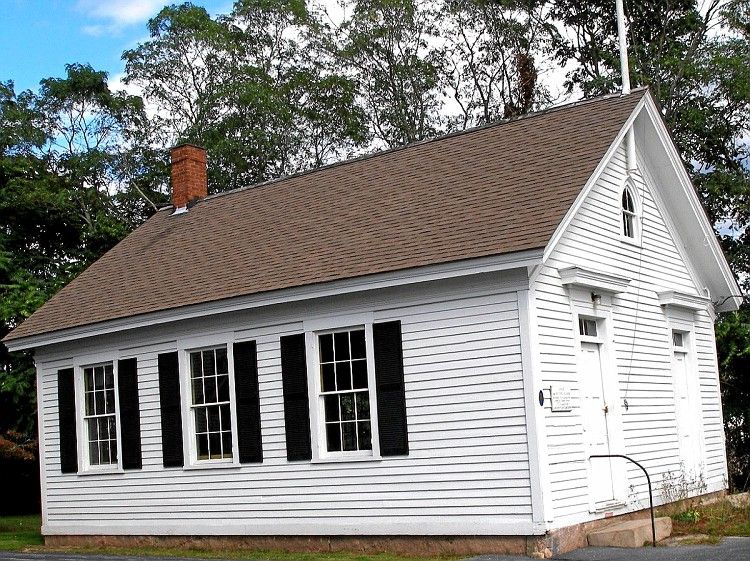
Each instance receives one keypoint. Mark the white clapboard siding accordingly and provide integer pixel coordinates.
(642, 349)
(467, 466)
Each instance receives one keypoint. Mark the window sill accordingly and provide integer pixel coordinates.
(217, 465)
(108, 471)
(345, 459)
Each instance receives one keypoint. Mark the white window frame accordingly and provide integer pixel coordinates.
(84, 461)
(313, 329)
(190, 448)
(636, 214)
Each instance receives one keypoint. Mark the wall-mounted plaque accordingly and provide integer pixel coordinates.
(561, 398)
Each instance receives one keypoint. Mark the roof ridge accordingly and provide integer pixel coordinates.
(453, 134)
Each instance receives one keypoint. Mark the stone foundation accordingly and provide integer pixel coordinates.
(399, 545)
(555, 542)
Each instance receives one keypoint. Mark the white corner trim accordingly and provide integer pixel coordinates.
(466, 267)
(588, 278)
(683, 300)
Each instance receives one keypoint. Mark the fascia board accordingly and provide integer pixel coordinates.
(517, 260)
(701, 218)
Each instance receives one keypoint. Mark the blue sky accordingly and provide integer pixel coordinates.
(38, 37)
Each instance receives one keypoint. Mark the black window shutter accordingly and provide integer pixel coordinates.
(248, 402)
(130, 415)
(66, 408)
(389, 378)
(171, 414)
(296, 406)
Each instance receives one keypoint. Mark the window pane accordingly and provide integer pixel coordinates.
(113, 451)
(341, 342)
(326, 348)
(99, 378)
(329, 377)
(104, 452)
(358, 343)
(90, 403)
(333, 437)
(202, 441)
(210, 388)
(209, 368)
(109, 376)
(98, 402)
(213, 419)
(103, 428)
(363, 435)
(343, 376)
(198, 396)
(349, 436)
(88, 379)
(110, 401)
(226, 417)
(223, 387)
(347, 407)
(359, 374)
(94, 453)
(112, 428)
(332, 407)
(226, 443)
(93, 429)
(201, 422)
(222, 366)
(195, 365)
(363, 405)
(214, 445)
(677, 340)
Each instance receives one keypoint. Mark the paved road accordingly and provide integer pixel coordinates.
(730, 549)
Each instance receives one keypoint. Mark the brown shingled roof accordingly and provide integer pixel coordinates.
(493, 190)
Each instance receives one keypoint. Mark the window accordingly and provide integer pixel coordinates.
(211, 403)
(100, 414)
(587, 327)
(344, 391)
(678, 339)
(629, 216)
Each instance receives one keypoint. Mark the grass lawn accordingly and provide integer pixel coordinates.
(23, 532)
(253, 554)
(19, 532)
(715, 520)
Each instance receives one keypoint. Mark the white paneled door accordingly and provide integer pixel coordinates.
(596, 425)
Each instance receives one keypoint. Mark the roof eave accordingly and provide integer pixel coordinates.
(516, 260)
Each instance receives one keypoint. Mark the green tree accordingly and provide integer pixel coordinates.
(493, 49)
(62, 193)
(249, 87)
(390, 48)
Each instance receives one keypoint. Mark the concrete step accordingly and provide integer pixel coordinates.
(631, 533)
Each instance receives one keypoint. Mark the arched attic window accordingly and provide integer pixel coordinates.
(630, 228)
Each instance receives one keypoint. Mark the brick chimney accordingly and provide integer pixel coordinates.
(189, 179)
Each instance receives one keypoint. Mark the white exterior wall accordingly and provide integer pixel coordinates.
(639, 350)
(467, 471)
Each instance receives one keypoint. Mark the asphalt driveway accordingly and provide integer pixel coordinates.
(730, 549)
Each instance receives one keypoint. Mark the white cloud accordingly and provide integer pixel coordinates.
(120, 12)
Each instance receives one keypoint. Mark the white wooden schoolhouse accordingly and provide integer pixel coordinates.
(421, 346)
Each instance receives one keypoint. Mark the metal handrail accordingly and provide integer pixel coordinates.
(650, 492)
